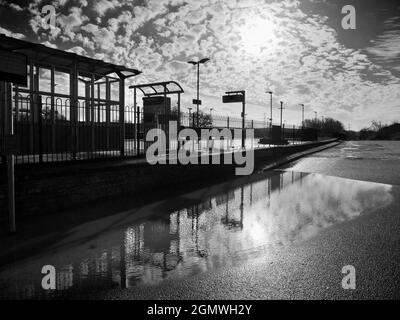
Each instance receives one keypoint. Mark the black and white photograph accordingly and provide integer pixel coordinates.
(199, 156)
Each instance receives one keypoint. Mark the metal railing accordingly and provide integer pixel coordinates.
(51, 129)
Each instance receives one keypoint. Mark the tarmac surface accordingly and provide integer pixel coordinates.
(313, 269)
(277, 235)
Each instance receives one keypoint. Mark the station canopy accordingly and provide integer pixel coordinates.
(40, 53)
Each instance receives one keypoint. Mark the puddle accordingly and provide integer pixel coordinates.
(225, 225)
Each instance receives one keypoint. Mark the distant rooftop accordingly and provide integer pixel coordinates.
(39, 53)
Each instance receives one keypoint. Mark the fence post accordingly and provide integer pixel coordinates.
(3, 115)
(53, 116)
(293, 134)
(108, 113)
(40, 127)
(74, 108)
(138, 130)
(6, 104)
(122, 116)
(92, 117)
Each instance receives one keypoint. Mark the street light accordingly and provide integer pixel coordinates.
(302, 115)
(316, 115)
(198, 63)
(211, 110)
(270, 92)
(190, 113)
(281, 107)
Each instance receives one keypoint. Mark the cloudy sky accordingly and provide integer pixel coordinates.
(297, 49)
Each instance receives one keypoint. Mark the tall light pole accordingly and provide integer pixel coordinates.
(190, 113)
(316, 115)
(198, 63)
(302, 115)
(281, 108)
(270, 92)
(211, 110)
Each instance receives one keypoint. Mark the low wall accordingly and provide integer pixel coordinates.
(50, 189)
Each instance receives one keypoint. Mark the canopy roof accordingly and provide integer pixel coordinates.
(159, 88)
(39, 53)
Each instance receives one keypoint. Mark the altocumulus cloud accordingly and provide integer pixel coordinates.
(253, 45)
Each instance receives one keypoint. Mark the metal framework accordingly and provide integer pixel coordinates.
(90, 105)
(159, 89)
(242, 95)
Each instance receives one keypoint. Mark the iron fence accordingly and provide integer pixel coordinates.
(52, 129)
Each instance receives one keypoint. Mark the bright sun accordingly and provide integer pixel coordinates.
(257, 34)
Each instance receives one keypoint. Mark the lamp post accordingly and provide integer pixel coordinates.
(270, 92)
(316, 115)
(190, 113)
(198, 63)
(281, 108)
(302, 115)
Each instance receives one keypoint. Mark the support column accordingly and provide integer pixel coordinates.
(8, 132)
(108, 113)
(179, 111)
(92, 113)
(74, 109)
(122, 116)
(244, 121)
(2, 119)
(53, 111)
(31, 108)
(136, 121)
(138, 131)
(166, 118)
(87, 102)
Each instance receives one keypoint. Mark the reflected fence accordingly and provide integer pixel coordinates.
(214, 231)
(52, 129)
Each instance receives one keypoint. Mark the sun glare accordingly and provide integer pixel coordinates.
(257, 35)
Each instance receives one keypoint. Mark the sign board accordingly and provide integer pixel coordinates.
(232, 98)
(13, 67)
(197, 102)
(9, 145)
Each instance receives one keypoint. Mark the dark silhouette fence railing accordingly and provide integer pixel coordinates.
(50, 129)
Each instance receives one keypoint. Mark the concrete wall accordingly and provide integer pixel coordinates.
(51, 189)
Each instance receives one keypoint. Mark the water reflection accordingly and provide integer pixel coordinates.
(234, 222)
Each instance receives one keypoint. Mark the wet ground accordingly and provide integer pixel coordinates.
(282, 234)
(375, 161)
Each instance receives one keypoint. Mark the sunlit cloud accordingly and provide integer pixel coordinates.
(253, 45)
